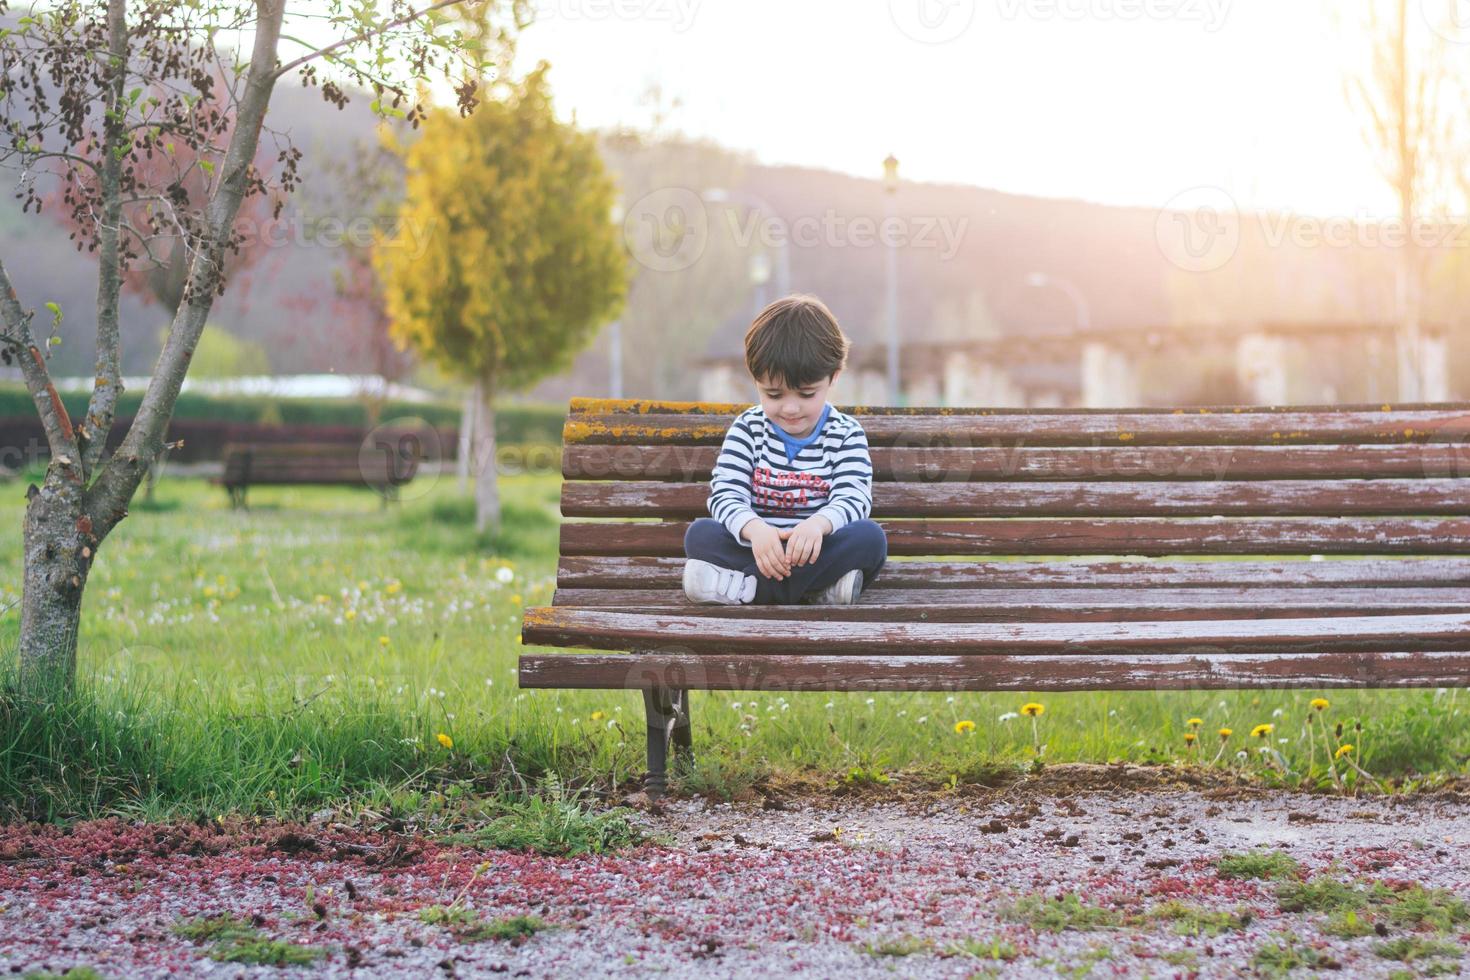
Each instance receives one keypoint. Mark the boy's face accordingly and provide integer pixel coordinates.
(796, 410)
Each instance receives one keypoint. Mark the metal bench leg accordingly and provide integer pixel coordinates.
(667, 713)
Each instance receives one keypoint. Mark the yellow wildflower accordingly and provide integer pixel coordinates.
(445, 740)
(963, 727)
(1031, 709)
(1195, 722)
(1226, 733)
(1261, 731)
(394, 587)
(1189, 737)
(321, 600)
(1320, 703)
(383, 641)
(350, 615)
(598, 716)
(1342, 750)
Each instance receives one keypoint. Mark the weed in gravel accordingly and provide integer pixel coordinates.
(1195, 920)
(513, 929)
(983, 949)
(1322, 895)
(236, 940)
(1349, 924)
(897, 946)
(1257, 864)
(1417, 906)
(75, 973)
(260, 951)
(1180, 957)
(556, 822)
(718, 778)
(1412, 949)
(452, 916)
(213, 928)
(1065, 912)
(1284, 954)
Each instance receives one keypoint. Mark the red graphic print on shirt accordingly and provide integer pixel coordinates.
(786, 491)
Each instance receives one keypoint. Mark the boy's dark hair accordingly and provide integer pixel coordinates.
(795, 341)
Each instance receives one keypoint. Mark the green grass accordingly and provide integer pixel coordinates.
(1411, 949)
(308, 653)
(897, 947)
(1195, 920)
(1257, 864)
(1282, 955)
(984, 949)
(552, 821)
(235, 940)
(1066, 912)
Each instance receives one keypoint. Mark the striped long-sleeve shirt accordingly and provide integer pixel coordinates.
(753, 476)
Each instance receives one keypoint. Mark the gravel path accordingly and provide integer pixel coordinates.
(741, 890)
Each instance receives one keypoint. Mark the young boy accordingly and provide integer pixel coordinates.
(792, 486)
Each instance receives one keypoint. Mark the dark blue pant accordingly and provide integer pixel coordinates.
(859, 544)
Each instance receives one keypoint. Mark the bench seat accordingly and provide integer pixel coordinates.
(1040, 550)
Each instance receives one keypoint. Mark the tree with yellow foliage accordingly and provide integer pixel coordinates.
(504, 262)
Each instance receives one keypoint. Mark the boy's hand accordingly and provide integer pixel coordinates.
(804, 542)
(770, 555)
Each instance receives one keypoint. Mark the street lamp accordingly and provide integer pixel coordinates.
(763, 210)
(1079, 302)
(890, 188)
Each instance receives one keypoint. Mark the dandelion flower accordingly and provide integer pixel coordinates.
(1195, 722)
(445, 740)
(1226, 733)
(504, 575)
(1009, 716)
(1342, 750)
(394, 587)
(1320, 704)
(1031, 709)
(598, 716)
(964, 727)
(383, 641)
(1189, 737)
(1261, 731)
(350, 615)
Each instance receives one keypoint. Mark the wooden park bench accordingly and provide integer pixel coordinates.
(322, 464)
(1036, 550)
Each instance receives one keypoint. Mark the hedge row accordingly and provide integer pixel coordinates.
(514, 423)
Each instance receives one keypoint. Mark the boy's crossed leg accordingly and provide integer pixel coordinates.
(858, 544)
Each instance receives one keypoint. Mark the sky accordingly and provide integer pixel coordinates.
(1129, 102)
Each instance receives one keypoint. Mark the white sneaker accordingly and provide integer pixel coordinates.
(708, 583)
(843, 592)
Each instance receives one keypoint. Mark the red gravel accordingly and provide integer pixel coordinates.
(737, 891)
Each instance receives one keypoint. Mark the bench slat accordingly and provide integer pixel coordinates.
(607, 630)
(1098, 463)
(778, 672)
(1279, 498)
(1076, 536)
(1072, 429)
(1000, 605)
(666, 573)
(584, 405)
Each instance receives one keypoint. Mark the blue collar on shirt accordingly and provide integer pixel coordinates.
(794, 446)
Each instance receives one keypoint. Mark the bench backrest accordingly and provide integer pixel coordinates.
(318, 463)
(1167, 486)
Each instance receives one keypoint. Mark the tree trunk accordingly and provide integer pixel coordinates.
(466, 436)
(487, 488)
(59, 549)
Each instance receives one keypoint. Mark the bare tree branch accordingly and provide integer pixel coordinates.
(361, 36)
(20, 341)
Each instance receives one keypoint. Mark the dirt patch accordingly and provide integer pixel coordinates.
(1119, 878)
